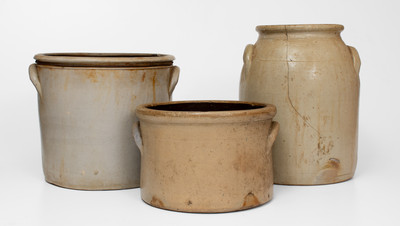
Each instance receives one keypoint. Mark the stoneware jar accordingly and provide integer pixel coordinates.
(311, 76)
(206, 156)
(87, 105)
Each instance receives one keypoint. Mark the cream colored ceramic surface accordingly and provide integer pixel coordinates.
(86, 114)
(311, 76)
(205, 160)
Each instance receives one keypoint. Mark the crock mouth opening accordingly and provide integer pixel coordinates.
(206, 106)
(181, 110)
(103, 54)
(80, 59)
(299, 28)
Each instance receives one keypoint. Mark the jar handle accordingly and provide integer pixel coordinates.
(356, 58)
(273, 132)
(137, 135)
(174, 80)
(33, 75)
(247, 58)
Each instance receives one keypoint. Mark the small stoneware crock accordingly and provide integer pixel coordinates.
(206, 156)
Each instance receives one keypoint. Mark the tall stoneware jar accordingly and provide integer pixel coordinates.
(87, 106)
(311, 76)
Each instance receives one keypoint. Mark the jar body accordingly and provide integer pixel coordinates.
(312, 77)
(86, 115)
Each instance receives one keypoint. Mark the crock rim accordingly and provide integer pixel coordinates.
(263, 110)
(86, 59)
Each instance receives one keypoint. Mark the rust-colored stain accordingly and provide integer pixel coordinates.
(154, 88)
(250, 200)
(329, 172)
(91, 75)
(143, 76)
(156, 202)
(117, 75)
(324, 147)
(332, 163)
(306, 120)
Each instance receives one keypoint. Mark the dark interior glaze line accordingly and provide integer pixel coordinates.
(108, 64)
(206, 107)
(101, 55)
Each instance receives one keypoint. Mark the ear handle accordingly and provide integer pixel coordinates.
(33, 75)
(174, 80)
(247, 58)
(137, 135)
(273, 132)
(356, 59)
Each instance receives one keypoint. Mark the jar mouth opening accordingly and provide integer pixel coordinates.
(80, 59)
(299, 28)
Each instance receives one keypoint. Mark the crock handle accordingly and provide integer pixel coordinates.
(247, 58)
(273, 132)
(174, 80)
(356, 58)
(137, 136)
(33, 75)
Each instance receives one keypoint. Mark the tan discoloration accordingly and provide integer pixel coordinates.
(143, 76)
(333, 163)
(117, 76)
(156, 202)
(95, 172)
(243, 162)
(325, 146)
(329, 171)
(91, 75)
(250, 200)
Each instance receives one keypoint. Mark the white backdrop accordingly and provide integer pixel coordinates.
(207, 38)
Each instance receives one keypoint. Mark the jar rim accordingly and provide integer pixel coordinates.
(82, 59)
(299, 28)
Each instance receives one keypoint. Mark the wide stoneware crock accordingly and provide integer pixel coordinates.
(87, 105)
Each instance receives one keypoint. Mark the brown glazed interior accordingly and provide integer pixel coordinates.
(207, 106)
